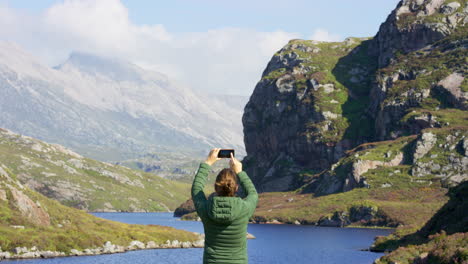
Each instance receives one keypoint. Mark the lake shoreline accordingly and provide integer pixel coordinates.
(107, 248)
(276, 222)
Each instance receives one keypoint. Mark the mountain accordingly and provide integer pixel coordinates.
(110, 109)
(80, 182)
(33, 226)
(317, 100)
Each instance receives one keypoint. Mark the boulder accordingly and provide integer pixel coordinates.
(185, 208)
(75, 252)
(338, 219)
(450, 8)
(451, 87)
(135, 244)
(424, 145)
(29, 208)
(151, 244)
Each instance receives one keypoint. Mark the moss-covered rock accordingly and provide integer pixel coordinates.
(307, 109)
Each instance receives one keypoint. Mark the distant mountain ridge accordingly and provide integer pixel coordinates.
(109, 108)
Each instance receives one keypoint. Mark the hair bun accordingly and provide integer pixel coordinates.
(226, 182)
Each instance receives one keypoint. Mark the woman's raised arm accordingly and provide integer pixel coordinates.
(198, 195)
(251, 199)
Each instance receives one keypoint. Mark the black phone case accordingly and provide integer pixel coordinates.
(226, 153)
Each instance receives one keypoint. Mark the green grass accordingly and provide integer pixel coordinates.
(445, 117)
(443, 239)
(440, 249)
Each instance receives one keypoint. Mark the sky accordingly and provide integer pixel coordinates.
(213, 46)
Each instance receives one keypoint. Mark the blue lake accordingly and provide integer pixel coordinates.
(274, 244)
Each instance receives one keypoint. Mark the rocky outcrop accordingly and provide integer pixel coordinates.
(185, 208)
(414, 24)
(297, 116)
(28, 208)
(421, 49)
(349, 175)
(451, 86)
(358, 215)
(434, 154)
(442, 155)
(424, 145)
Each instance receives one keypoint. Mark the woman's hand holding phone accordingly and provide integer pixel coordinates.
(212, 156)
(235, 164)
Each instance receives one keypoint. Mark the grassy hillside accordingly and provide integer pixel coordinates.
(443, 239)
(29, 219)
(63, 175)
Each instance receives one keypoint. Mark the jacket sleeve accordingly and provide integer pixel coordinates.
(198, 196)
(251, 200)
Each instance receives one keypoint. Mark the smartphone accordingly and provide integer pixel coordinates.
(225, 153)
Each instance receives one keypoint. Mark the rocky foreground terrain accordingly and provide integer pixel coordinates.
(83, 183)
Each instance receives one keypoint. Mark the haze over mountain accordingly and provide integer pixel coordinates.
(111, 109)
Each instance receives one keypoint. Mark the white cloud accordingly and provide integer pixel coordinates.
(323, 35)
(226, 60)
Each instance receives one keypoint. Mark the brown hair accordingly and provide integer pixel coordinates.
(226, 182)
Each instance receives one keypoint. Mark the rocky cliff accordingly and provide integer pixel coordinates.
(308, 108)
(317, 100)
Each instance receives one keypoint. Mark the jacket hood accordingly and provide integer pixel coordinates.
(224, 209)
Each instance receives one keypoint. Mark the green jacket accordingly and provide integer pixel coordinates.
(224, 219)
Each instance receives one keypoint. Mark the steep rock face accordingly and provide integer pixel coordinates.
(414, 24)
(304, 112)
(422, 49)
